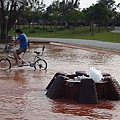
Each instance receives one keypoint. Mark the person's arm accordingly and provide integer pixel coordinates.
(14, 42)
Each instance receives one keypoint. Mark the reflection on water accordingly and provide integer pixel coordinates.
(22, 90)
(100, 111)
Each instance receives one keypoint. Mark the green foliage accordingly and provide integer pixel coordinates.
(73, 16)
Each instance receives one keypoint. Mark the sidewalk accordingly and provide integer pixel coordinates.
(117, 30)
(92, 43)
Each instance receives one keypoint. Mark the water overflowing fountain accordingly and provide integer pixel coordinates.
(81, 87)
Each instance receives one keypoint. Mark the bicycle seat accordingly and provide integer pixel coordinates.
(37, 52)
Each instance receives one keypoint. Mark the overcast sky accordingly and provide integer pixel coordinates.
(83, 3)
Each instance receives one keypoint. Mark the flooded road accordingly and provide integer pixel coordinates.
(22, 90)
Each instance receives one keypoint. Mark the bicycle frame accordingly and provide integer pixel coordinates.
(32, 63)
(29, 62)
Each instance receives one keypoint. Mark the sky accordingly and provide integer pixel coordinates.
(83, 3)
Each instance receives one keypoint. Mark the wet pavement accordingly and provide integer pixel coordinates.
(22, 89)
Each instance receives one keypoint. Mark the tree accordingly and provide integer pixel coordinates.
(110, 7)
(74, 17)
(69, 6)
(58, 10)
(36, 8)
(101, 13)
(55, 13)
(12, 9)
(27, 14)
(109, 3)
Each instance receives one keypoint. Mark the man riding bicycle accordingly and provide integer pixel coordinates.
(23, 40)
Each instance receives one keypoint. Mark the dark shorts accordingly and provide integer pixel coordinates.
(20, 50)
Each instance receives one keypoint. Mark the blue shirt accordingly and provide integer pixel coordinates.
(23, 40)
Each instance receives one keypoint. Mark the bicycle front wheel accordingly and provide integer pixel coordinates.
(40, 64)
(5, 64)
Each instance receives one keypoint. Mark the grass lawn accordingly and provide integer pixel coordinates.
(80, 33)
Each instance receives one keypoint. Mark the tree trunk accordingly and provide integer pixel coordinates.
(74, 28)
(3, 33)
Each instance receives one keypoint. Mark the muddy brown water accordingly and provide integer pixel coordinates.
(22, 90)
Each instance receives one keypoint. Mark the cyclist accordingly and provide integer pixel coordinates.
(23, 40)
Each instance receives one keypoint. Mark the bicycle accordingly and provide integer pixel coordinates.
(37, 61)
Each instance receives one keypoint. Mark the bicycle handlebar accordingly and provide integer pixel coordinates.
(10, 44)
(7, 48)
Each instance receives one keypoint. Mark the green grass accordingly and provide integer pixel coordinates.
(80, 33)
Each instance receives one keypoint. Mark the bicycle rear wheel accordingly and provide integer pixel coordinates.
(40, 64)
(5, 64)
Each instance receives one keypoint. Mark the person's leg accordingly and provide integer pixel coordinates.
(19, 58)
(17, 53)
(16, 57)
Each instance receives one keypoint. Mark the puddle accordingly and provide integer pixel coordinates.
(22, 90)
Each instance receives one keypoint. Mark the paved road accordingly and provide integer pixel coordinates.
(117, 30)
(93, 43)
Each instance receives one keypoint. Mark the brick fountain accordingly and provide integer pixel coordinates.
(85, 90)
